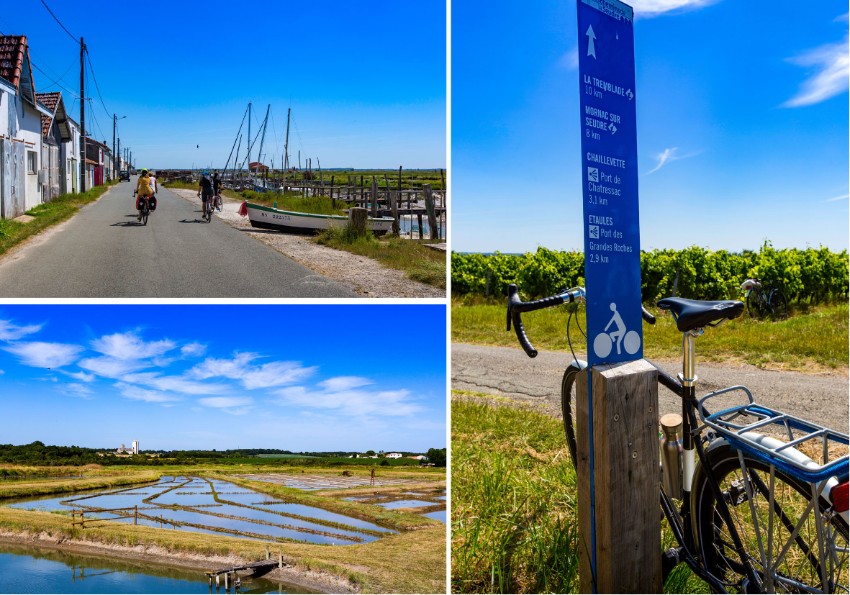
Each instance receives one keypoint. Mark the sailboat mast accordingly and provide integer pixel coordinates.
(249, 137)
(286, 150)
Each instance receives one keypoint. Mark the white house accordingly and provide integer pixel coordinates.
(393, 455)
(20, 130)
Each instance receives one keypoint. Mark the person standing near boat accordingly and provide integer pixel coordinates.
(205, 189)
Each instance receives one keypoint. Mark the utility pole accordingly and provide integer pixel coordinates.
(118, 154)
(83, 114)
(115, 156)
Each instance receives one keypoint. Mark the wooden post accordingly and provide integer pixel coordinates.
(625, 445)
(333, 200)
(279, 560)
(419, 219)
(268, 554)
(432, 216)
(226, 580)
(393, 194)
(357, 218)
(374, 197)
(136, 514)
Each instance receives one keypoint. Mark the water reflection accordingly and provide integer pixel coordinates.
(27, 569)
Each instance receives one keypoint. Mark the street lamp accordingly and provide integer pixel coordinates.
(114, 155)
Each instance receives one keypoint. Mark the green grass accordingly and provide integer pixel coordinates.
(809, 340)
(46, 215)
(514, 503)
(421, 263)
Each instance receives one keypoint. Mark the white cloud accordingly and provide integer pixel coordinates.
(251, 376)
(663, 157)
(110, 367)
(77, 390)
(176, 384)
(569, 60)
(45, 355)
(837, 198)
(344, 383)
(831, 68)
(193, 350)
(231, 405)
(149, 396)
(13, 332)
(82, 376)
(654, 8)
(354, 403)
(129, 346)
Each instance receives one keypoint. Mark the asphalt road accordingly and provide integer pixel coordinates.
(504, 371)
(104, 252)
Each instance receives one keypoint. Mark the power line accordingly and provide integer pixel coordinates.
(96, 86)
(60, 22)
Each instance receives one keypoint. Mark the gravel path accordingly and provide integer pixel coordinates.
(509, 372)
(362, 275)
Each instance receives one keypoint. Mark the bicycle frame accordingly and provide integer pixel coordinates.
(693, 449)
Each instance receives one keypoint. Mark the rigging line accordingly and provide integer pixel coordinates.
(96, 86)
(60, 22)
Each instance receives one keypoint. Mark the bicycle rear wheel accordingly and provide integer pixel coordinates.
(778, 305)
(754, 304)
(780, 540)
(568, 408)
(145, 213)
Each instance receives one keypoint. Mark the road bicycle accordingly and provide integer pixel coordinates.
(765, 300)
(756, 499)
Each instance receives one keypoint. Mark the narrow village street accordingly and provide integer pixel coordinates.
(105, 252)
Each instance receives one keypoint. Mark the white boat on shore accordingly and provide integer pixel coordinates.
(265, 217)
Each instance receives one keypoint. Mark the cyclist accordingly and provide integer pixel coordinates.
(152, 176)
(143, 190)
(205, 190)
(216, 182)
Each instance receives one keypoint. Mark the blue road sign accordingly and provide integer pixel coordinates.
(610, 181)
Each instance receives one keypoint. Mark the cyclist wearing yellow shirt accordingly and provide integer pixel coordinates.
(143, 189)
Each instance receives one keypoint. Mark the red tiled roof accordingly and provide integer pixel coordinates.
(12, 49)
(50, 101)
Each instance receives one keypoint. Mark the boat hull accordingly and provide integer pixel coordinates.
(263, 217)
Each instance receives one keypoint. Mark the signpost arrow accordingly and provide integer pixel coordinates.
(591, 36)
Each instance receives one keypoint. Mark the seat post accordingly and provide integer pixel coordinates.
(689, 360)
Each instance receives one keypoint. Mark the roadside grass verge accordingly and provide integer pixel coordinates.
(46, 215)
(514, 503)
(421, 263)
(514, 526)
(813, 339)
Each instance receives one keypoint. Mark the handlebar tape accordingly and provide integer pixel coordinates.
(514, 315)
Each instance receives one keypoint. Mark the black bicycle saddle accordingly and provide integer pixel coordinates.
(693, 314)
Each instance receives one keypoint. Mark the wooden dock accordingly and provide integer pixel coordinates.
(257, 569)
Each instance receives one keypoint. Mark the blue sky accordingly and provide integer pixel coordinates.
(366, 80)
(742, 125)
(293, 377)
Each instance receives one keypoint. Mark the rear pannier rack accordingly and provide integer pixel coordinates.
(741, 426)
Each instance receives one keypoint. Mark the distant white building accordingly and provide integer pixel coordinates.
(133, 450)
(393, 455)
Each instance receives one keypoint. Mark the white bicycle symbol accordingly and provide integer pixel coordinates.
(623, 339)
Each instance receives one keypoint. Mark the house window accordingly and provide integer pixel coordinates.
(32, 162)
